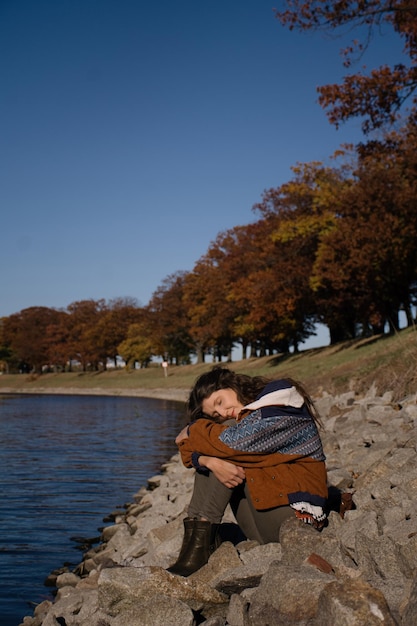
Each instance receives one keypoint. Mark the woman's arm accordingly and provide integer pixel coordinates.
(227, 473)
(204, 439)
(279, 433)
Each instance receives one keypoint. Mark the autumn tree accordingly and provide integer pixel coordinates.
(137, 347)
(231, 255)
(248, 288)
(280, 299)
(241, 264)
(83, 320)
(25, 335)
(167, 318)
(385, 215)
(59, 342)
(112, 327)
(5, 351)
(208, 295)
(301, 213)
(365, 265)
(379, 95)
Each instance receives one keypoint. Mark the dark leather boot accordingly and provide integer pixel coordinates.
(188, 532)
(200, 541)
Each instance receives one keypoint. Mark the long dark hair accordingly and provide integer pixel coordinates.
(247, 389)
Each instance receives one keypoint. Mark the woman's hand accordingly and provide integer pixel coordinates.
(228, 474)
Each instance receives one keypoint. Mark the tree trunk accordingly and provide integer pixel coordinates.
(244, 349)
(200, 354)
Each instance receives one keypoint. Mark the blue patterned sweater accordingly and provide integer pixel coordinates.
(272, 428)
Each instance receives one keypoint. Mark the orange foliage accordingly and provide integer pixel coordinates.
(379, 96)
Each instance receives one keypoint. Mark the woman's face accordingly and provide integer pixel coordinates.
(222, 405)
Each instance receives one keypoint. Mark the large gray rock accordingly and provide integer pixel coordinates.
(155, 611)
(287, 595)
(126, 588)
(75, 607)
(352, 603)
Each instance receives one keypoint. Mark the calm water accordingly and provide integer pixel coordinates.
(65, 463)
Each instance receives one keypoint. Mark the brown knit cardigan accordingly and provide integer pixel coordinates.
(270, 477)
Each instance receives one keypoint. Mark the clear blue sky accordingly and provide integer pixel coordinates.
(133, 132)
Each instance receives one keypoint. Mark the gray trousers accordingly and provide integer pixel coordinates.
(210, 499)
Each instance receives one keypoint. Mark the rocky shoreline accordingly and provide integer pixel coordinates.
(360, 570)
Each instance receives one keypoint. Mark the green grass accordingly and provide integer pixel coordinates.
(387, 362)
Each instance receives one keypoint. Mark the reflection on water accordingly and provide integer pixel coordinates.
(65, 463)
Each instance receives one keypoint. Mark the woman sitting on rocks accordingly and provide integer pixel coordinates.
(255, 444)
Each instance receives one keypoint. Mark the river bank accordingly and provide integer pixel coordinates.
(386, 362)
(179, 395)
(360, 570)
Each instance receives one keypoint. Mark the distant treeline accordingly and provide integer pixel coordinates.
(335, 245)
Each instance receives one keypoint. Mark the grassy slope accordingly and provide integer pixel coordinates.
(389, 363)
